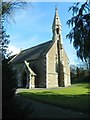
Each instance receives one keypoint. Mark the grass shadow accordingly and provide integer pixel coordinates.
(17, 108)
(74, 102)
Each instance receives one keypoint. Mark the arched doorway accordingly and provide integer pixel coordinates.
(24, 79)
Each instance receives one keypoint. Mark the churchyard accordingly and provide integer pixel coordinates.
(75, 97)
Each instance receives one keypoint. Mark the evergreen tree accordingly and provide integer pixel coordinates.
(8, 8)
(4, 41)
(10, 107)
(80, 32)
(8, 75)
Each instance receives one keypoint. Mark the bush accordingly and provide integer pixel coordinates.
(8, 81)
(79, 75)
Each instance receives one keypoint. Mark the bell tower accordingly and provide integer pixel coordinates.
(57, 38)
(56, 27)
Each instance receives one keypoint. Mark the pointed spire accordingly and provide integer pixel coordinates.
(56, 27)
(56, 21)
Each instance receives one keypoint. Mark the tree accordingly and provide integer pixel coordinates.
(79, 74)
(73, 74)
(7, 10)
(8, 75)
(9, 82)
(80, 32)
(4, 43)
(9, 7)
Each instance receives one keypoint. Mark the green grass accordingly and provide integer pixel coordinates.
(75, 97)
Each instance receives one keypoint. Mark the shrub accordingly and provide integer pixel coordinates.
(8, 81)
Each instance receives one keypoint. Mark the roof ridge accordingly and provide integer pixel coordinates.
(35, 46)
(34, 52)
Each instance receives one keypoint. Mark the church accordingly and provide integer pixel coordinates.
(45, 65)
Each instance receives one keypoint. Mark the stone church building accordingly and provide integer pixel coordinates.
(45, 65)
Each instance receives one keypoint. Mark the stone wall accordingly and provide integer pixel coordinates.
(52, 75)
(20, 69)
(66, 66)
(46, 70)
(39, 68)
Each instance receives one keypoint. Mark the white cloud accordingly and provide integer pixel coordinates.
(13, 49)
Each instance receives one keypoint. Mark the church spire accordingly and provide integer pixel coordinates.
(56, 27)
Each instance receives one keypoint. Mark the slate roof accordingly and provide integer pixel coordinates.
(33, 53)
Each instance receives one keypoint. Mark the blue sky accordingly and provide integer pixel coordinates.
(33, 26)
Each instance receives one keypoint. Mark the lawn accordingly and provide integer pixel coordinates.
(75, 97)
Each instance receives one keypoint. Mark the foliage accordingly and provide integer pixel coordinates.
(8, 81)
(69, 97)
(4, 43)
(79, 74)
(73, 74)
(8, 8)
(8, 75)
(80, 32)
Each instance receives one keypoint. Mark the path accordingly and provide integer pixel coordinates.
(42, 110)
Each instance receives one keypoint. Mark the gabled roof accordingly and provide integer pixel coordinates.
(33, 53)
